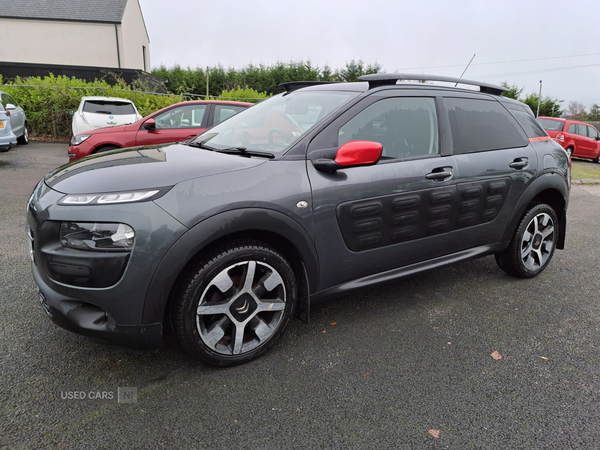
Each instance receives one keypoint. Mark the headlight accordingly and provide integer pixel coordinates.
(97, 236)
(113, 197)
(76, 140)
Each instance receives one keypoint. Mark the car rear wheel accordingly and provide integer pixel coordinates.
(533, 243)
(569, 151)
(24, 138)
(234, 304)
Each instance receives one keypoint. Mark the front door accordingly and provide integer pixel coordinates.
(176, 124)
(391, 214)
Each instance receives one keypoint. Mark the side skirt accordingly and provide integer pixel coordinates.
(395, 274)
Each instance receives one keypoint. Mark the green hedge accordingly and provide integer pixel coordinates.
(47, 101)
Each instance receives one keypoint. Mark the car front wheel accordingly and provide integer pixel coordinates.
(234, 304)
(533, 243)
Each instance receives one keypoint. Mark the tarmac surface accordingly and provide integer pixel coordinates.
(464, 357)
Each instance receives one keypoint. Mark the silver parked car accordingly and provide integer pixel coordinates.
(7, 137)
(16, 117)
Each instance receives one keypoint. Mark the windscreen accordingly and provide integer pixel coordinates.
(552, 125)
(275, 124)
(108, 107)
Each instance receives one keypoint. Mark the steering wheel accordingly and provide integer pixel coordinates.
(280, 132)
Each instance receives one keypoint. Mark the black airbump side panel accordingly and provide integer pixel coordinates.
(396, 218)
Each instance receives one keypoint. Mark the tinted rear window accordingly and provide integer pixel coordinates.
(108, 107)
(551, 125)
(481, 125)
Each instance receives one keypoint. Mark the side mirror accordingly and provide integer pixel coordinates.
(10, 106)
(353, 153)
(149, 125)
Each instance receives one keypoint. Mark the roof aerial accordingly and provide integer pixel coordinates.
(389, 79)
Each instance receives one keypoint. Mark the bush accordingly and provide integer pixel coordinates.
(48, 100)
(243, 95)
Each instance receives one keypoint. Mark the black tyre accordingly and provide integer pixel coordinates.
(569, 151)
(24, 138)
(234, 304)
(533, 243)
(106, 148)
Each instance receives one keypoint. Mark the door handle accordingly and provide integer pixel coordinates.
(519, 163)
(440, 174)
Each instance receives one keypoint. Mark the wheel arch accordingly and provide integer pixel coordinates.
(270, 227)
(546, 189)
(102, 147)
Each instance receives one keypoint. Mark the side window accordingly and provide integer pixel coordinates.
(573, 129)
(223, 112)
(592, 133)
(8, 99)
(181, 117)
(531, 126)
(581, 129)
(406, 127)
(482, 125)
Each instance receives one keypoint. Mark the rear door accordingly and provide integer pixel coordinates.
(176, 124)
(494, 164)
(594, 142)
(577, 134)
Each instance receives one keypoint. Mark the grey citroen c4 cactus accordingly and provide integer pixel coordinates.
(325, 188)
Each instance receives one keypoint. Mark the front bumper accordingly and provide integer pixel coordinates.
(112, 312)
(90, 320)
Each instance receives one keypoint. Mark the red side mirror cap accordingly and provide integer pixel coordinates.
(358, 153)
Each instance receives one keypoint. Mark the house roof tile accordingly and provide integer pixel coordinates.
(106, 11)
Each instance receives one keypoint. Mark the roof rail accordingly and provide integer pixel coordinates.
(291, 86)
(389, 79)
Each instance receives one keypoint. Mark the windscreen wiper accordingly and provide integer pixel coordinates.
(242, 151)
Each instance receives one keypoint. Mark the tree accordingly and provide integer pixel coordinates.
(549, 106)
(513, 91)
(576, 110)
(355, 69)
(594, 114)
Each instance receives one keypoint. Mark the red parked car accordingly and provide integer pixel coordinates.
(175, 123)
(579, 139)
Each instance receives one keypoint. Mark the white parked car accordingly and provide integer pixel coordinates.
(100, 112)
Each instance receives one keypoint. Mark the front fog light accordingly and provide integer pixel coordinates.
(97, 236)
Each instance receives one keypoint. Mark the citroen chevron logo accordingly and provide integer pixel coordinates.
(244, 308)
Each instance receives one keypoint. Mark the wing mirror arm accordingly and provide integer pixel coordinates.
(326, 165)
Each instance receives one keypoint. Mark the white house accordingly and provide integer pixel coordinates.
(96, 33)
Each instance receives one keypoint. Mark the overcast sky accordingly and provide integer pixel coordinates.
(517, 41)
